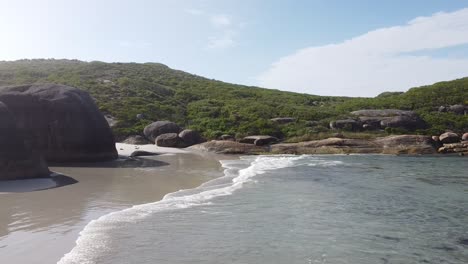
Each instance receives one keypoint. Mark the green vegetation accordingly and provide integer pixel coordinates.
(124, 90)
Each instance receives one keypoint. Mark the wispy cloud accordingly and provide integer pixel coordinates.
(386, 59)
(223, 26)
(224, 41)
(221, 21)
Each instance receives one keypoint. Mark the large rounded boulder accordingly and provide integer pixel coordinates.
(449, 137)
(16, 160)
(169, 140)
(155, 129)
(190, 137)
(61, 122)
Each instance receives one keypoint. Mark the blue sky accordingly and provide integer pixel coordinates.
(288, 45)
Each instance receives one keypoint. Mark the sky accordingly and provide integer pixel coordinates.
(323, 47)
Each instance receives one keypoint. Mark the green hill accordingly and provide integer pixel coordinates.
(124, 90)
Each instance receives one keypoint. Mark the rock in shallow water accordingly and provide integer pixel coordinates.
(61, 122)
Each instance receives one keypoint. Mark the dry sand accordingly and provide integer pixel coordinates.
(41, 226)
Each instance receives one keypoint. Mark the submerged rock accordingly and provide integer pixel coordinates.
(61, 122)
(155, 129)
(17, 161)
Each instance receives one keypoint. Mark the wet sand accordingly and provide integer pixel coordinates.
(41, 226)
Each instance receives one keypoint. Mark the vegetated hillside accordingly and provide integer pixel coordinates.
(125, 90)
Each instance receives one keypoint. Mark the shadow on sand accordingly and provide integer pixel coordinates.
(122, 162)
(30, 185)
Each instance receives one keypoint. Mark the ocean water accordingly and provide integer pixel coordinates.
(356, 209)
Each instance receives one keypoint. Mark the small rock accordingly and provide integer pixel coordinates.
(465, 137)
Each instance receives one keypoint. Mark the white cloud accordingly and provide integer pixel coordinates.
(377, 61)
(224, 41)
(221, 21)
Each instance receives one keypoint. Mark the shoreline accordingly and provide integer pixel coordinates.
(42, 226)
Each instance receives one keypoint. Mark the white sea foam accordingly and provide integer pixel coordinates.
(94, 239)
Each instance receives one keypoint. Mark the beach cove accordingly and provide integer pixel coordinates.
(41, 226)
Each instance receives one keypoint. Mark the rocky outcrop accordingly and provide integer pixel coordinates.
(394, 118)
(230, 147)
(406, 144)
(403, 144)
(346, 124)
(190, 137)
(383, 113)
(136, 140)
(283, 120)
(407, 122)
(327, 146)
(456, 109)
(449, 137)
(17, 161)
(460, 148)
(169, 140)
(155, 129)
(60, 122)
(259, 140)
(227, 137)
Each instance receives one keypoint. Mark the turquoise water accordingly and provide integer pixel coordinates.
(298, 209)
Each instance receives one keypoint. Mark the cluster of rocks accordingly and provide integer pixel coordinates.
(450, 142)
(379, 119)
(168, 134)
(457, 109)
(402, 144)
(49, 123)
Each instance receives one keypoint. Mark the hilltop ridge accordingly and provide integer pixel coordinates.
(135, 94)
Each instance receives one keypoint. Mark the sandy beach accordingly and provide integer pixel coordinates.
(41, 226)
